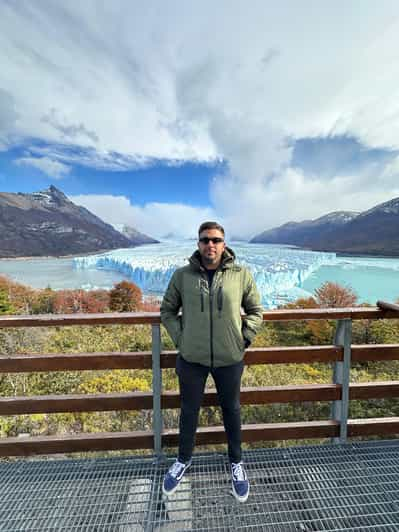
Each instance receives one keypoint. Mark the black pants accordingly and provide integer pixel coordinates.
(192, 379)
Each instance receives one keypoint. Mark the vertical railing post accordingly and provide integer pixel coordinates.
(157, 390)
(341, 375)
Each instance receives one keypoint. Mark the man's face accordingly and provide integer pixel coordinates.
(211, 252)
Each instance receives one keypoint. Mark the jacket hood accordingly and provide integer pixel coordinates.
(228, 259)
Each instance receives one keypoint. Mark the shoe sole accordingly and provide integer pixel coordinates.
(170, 492)
(238, 497)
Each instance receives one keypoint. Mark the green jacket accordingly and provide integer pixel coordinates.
(210, 330)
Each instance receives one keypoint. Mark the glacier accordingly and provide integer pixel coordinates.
(279, 271)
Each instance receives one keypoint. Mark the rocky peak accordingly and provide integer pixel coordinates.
(389, 207)
(135, 236)
(338, 217)
(50, 195)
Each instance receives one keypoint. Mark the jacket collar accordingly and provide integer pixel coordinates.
(227, 261)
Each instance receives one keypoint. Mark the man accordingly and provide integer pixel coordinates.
(211, 337)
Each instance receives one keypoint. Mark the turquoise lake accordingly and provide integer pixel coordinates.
(371, 278)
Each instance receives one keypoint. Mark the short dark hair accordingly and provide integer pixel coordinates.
(210, 225)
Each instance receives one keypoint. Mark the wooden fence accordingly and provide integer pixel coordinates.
(339, 392)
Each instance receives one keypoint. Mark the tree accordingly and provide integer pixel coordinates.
(43, 302)
(125, 297)
(70, 301)
(5, 304)
(19, 296)
(96, 301)
(333, 295)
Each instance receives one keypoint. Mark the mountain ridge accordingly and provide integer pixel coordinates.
(374, 231)
(47, 223)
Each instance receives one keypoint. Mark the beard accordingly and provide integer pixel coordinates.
(210, 260)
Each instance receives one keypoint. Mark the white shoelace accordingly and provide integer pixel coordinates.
(177, 469)
(238, 472)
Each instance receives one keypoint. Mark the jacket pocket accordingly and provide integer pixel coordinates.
(236, 339)
(179, 333)
(240, 339)
(180, 342)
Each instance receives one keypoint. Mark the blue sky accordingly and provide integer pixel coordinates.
(159, 182)
(188, 183)
(284, 112)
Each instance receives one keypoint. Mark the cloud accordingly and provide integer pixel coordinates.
(116, 85)
(90, 157)
(67, 130)
(8, 118)
(52, 168)
(292, 197)
(119, 76)
(158, 220)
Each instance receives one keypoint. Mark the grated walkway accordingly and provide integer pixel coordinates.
(327, 487)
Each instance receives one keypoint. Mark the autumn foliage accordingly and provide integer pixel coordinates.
(316, 332)
(71, 301)
(16, 298)
(333, 295)
(125, 297)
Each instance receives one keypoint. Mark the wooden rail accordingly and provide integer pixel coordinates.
(332, 392)
(153, 318)
(143, 360)
(46, 404)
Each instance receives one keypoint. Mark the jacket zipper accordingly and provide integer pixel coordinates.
(211, 323)
(211, 292)
(220, 300)
(210, 314)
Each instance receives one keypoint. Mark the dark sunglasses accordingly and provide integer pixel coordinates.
(215, 240)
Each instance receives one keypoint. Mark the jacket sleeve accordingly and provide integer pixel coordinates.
(252, 308)
(170, 306)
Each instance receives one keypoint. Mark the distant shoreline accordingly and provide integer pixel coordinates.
(292, 246)
(35, 257)
(337, 253)
(367, 255)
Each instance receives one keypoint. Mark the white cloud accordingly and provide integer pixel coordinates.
(90, 157)
(8, 118)
(142, 80)
(130, 82)
(390, 175)
(291, 197)
(155, 219)
(51, 167)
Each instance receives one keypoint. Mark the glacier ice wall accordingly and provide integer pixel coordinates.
(279, 271)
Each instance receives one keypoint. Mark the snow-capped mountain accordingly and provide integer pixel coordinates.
(136, 237)
(303, 233)
(47, 223)
(372, 232)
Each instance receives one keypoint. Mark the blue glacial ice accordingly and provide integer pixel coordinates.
(279, 271)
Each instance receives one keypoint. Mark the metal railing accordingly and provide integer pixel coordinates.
(339, 392)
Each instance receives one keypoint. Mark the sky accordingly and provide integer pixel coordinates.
(161, 115)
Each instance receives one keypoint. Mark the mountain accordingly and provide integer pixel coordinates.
(136, 237)
(304, 233)
(372, 232)
(47, 223)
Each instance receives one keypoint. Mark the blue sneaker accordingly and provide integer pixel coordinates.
(239, 482)
(174, 476)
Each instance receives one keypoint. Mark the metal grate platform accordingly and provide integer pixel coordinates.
(327, 487)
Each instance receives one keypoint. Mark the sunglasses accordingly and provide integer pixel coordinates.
(215, 240)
